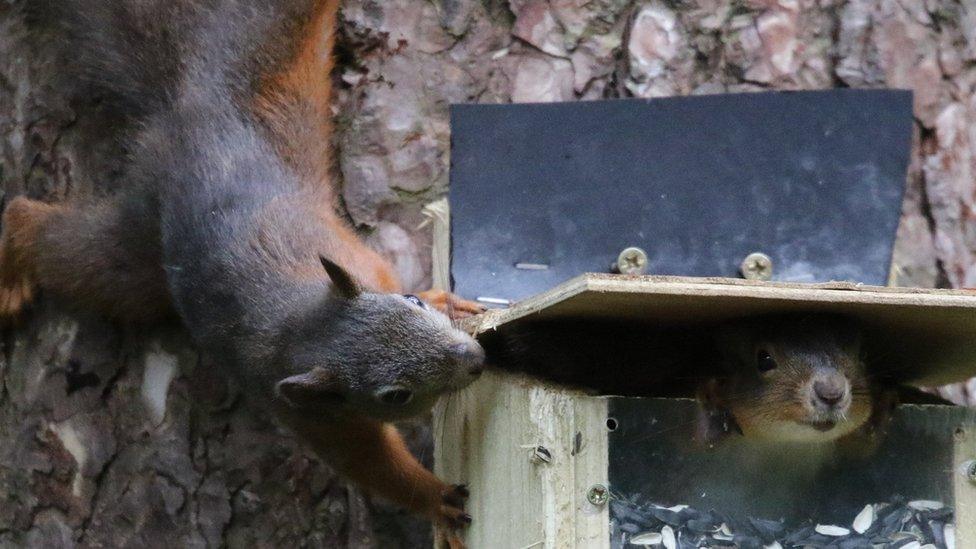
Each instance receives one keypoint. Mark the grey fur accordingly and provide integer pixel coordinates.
(230, 220)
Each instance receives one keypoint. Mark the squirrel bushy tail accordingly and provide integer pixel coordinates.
(273, 59)
(138, 54)
(125, 53)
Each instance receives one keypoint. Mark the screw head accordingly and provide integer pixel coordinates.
(598, 495)
(757, 266)
(632, 261)
(540, 454)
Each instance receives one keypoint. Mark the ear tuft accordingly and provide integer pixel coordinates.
(342, 281)
(317, 386)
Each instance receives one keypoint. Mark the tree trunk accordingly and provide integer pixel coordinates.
(112, 436)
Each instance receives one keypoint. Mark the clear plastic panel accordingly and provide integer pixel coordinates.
(746, 494)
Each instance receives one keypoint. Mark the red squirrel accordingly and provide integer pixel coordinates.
(786, 378)
(228, 222)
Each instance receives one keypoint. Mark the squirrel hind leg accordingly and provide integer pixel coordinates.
(20, 228)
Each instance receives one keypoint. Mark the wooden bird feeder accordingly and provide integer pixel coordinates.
(800, 188)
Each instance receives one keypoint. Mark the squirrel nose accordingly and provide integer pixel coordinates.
(830, 390)
(470, 356)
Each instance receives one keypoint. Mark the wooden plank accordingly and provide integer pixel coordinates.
(491, 437)
(486, 435)
(438, 214)
(964, 487)
(665, 296)
(931, 334)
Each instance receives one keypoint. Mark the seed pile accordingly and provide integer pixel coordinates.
(899, 524)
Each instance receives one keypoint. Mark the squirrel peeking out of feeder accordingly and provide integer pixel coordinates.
(799, 378)
(789, 378)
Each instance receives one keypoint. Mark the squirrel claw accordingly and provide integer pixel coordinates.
(454, 518)
(450, 540)
(451, 516)
(455, 495)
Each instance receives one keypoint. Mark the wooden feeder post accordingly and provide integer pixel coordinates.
(531, 453)
(805, 186)
(535, 459)
(964, 484)
(491, 435)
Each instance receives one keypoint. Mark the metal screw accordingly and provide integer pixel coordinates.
(757, 266)
(598, 495)
(540, 454)
(631, 261)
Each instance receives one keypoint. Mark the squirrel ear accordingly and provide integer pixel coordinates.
(341, 279)
(715, 421)
(715, 425)
(317, 386)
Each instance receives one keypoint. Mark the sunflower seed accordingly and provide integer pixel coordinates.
(831, 530)
(748, 542)
(722, 536)
(855, 542)
(629, 528)
(700, 526)
(647, 538)
(925, 505)
(668, 538)
(899, 524)
(768, 530)
(894, 521)
(666, 516)
(864, 519)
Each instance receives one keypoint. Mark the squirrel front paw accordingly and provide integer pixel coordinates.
(16, 287)
(451, 305)
(451, 516)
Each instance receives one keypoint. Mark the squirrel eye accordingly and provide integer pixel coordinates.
(764, 361)
(415, 300)
(396, 396)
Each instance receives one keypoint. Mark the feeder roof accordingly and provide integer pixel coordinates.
(929, 336)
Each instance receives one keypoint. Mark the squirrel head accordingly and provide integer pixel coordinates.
(791, 378)
(387, 356)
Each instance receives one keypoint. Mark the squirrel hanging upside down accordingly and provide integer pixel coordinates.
(228, 222)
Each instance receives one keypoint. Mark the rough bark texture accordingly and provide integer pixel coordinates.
(116, 437)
